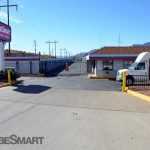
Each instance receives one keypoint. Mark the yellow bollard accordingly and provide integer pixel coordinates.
(124, 88)
(9, 76)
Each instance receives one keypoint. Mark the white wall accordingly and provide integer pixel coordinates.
(108, 74)
(118, 65)
(35, 67)
(10, 64)
(24, 66)
(99, 68)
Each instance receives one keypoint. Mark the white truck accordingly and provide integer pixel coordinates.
(141, 67)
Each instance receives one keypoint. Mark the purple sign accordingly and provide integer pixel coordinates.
(5, 32)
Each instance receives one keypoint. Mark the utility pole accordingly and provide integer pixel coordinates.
(61, 53)
(69, 54)
(8, 6)
(55, 45)
(119, 40)
(65, 52)
(35, 46)
(49, 47)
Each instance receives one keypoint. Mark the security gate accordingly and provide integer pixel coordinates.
(139, 81)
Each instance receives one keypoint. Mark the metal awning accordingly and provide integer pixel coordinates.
(111, 57)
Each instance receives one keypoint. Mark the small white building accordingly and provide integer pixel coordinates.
(24, 64)
(105, 62)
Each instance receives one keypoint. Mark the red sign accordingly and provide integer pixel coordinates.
(5, 32)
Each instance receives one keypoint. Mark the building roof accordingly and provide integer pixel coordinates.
(131, 50)
(118, 53)
(19, 53)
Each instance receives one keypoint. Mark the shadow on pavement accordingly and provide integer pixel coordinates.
(31, 89)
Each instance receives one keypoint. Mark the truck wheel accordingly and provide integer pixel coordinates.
(129, 81)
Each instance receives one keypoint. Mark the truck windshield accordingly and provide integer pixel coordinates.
(133, 66)
(138, 66)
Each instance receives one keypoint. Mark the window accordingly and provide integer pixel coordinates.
(94, 63)
(140, 66)
(108, 65)
(126, 64)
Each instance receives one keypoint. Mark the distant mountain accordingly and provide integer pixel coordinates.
(84, 54)
(80, 55)
(92, 51)
(145, 44)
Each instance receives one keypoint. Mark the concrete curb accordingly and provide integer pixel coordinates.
(4, 85)
(99, 78)
(13, 83)
(139, 95)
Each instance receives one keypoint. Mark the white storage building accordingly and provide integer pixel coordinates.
(23, 65)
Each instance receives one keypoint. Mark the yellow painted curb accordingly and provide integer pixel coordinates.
(139, 95)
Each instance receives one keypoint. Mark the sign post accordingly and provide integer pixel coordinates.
(5, 36)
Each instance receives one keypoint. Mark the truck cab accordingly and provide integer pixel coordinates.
(141, 67)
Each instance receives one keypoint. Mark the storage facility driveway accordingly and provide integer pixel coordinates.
(74, 113)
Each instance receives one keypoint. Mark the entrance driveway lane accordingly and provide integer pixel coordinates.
(115, 101)
(74, 128)
(76, 92)
(75, 117)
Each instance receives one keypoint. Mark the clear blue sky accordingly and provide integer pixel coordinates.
(79, 25)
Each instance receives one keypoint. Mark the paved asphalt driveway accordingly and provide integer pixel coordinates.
(74, 113)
